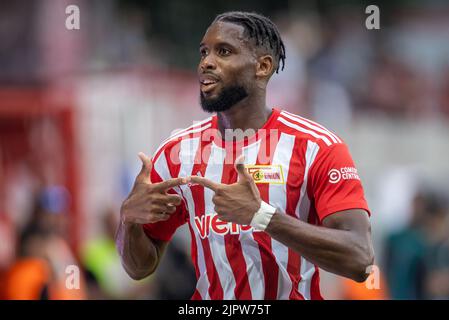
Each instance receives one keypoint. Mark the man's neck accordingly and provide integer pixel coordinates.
(244, 115)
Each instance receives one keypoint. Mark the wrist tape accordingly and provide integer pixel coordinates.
(263, 216)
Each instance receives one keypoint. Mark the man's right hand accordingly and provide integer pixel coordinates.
(149, 202)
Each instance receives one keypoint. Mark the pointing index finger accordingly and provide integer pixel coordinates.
(205, 182)
(168, 184)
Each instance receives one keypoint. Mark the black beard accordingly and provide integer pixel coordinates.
(226, 99)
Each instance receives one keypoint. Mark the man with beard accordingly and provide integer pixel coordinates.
(265, 207)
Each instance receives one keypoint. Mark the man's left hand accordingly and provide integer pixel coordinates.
(237, 202)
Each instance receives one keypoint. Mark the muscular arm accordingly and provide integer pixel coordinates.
(146, 204)
(139, 254)
(342, 245)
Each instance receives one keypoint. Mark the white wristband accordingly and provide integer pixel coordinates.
(263, 216)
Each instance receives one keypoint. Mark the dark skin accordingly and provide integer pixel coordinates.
(147, 202)
(342, 244)
(230, 56)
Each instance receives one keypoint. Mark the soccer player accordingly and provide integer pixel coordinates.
(265, 207)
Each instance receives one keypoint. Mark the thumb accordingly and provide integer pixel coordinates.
(240, 168)
(145, 172)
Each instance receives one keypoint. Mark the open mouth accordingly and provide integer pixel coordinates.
(208, 84)
(208, 81)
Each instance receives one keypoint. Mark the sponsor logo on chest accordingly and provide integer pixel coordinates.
(266, 173)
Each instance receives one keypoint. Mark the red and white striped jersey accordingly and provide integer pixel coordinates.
(299, 167)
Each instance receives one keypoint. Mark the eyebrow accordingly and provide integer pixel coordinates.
(221, 43)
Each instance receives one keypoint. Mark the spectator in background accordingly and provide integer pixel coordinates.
(407, 251)
(437, 256)
(395, 89)
(170, 283)
(7, 244)
(100, 258)
(444, 95)
(39, 272)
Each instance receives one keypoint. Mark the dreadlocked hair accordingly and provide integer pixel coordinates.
(261, 29)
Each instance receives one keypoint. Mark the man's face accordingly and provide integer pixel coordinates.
(227, 67)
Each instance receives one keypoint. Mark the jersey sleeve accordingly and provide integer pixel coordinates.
(334, 183)
(164, 230)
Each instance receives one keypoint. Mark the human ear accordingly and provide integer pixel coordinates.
(264, 66)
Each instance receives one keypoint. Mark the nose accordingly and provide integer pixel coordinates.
(208, 63)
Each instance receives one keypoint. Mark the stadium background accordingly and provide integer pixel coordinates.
(76, 106)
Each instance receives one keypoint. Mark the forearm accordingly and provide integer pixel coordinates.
(337, 251)
(139, 255)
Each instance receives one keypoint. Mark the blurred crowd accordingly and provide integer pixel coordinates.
(44, 265)
(415, 263)
(342, 71)
(417, 256)
(337, 73)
